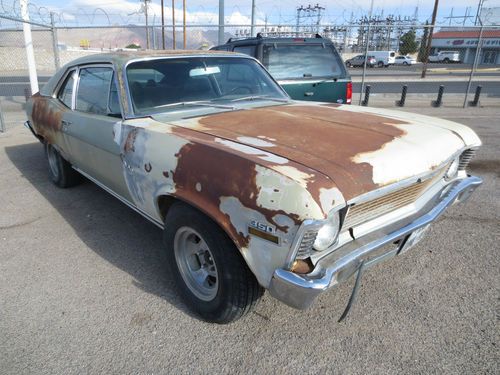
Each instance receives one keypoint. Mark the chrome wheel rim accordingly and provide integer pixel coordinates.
(52, 156)
(196, 263)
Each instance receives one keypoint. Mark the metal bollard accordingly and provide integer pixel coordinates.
(401, 103)
(2, 120)
(475, 102)
(367, 95)
(27, 93)
(437, 103)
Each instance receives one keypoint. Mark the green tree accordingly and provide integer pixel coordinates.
(133, 45)
(423, 43)
(408, 43)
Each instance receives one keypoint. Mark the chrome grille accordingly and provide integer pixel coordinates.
(465, 158)
(363, 212)
(306, 244)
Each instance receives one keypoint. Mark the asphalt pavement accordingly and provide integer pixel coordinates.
(82, 289)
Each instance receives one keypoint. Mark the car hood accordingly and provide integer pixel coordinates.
(359, 148)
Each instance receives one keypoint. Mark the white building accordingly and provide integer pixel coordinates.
(466, 42)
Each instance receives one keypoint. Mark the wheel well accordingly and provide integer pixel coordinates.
(164, 204)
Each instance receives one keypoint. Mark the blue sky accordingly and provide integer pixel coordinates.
(97, 12)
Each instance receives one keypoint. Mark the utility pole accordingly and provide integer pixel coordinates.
(184, 23)
(28, 46)
(252, 26)
(162, 25)
(429, 39)
(147, 25)
(173, 24)
(221, 22)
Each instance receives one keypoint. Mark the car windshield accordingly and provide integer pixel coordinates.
(160, 84)
(295, 61)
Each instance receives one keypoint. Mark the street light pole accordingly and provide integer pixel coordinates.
(221, 22)
(366, 52)
(252, 26)
(173, 24)
(162, 25)
(184, 23)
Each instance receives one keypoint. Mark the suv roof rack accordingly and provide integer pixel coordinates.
(277, 34)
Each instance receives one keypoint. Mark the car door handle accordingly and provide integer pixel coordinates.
(308, 93)
(65, 124)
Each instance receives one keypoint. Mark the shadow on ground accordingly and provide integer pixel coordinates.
(104, 224)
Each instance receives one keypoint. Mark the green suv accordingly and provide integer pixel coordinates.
(307, 68)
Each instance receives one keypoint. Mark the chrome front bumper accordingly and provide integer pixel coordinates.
(299, 291)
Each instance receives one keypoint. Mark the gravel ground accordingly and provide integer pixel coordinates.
(82, 289)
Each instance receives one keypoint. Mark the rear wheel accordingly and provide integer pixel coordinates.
(405, 63)
(380, 64)
(348, 64)
(60, 170)
(212, 277)
(446, 60)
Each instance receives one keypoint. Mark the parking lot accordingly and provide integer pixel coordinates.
(82, 289)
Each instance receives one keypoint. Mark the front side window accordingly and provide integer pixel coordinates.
(159, 84)
(295, 61)
(65, 94)
(94, 90)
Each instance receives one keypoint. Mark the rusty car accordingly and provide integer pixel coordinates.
(252, 190)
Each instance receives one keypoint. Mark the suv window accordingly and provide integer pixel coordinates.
(93, 90)
(301, 60)
(65, 94)
(247, 50)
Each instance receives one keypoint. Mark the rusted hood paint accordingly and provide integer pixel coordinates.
(360, 152)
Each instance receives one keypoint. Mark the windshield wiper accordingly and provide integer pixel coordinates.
(201, 103)
(254, 97)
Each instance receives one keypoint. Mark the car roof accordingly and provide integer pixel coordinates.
(261, 39)
(122, 57)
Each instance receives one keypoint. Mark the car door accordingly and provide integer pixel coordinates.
(89, 128)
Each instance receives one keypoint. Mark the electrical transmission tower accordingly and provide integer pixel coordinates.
(309, 13)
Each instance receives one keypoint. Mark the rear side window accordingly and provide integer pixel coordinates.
(295, 61)
(93, 90)
(247, 50)
(65, 94)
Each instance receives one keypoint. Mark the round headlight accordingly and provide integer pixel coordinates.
(452, 169)
(328, 233)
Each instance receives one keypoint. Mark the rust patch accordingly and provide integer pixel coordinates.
(130, 141)
(46, 119)
(319, 137)
(147, 167)
(220, 176)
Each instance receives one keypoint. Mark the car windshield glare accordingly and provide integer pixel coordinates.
(159, 84)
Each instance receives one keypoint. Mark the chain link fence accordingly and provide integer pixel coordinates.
(463, 63)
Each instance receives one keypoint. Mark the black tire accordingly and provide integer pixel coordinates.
(380, 64)
(405, 63)
(348, 64)
(236, 291)
(60, 170)
(446, 60)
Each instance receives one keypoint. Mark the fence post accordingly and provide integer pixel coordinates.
(55, 47)
(474, 64)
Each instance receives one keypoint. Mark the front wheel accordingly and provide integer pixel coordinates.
(380, 64)
(211, 275)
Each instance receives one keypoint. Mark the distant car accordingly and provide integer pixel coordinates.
(383, 58)
(445, 57)
(252, 189)
(307, 68)
(404, 60)
(360, 61)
